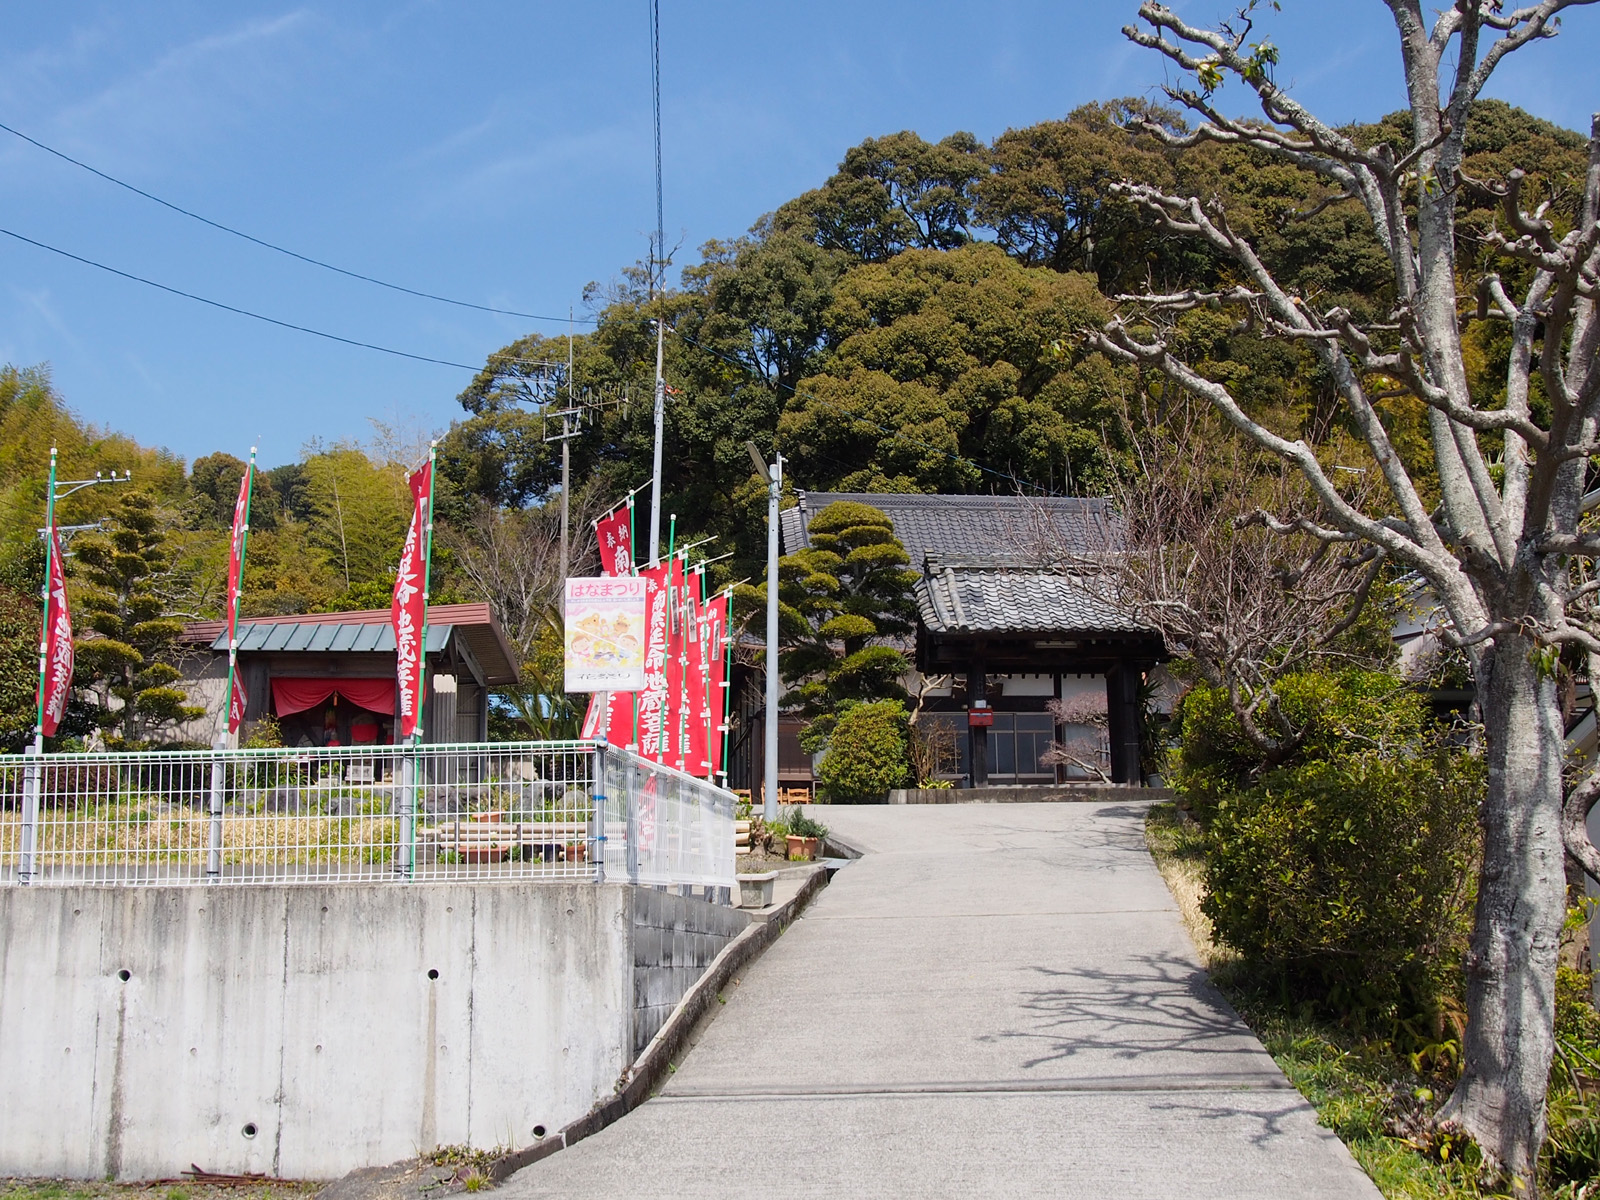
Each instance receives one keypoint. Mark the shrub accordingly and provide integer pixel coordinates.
(1336, 714)
(264, 733)
(867, 754)
(798, 824)
(1342, 875)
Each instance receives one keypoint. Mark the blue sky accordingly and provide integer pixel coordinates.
(500, 153)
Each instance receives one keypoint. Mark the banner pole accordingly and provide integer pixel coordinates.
(727, 681)
(233, 601)
(408, 830)
(27, 865)
(633, 543)
(409, 746)
(235, 590)
(44, 595)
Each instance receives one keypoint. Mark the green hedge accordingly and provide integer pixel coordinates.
(868, 753)
(1342, 875)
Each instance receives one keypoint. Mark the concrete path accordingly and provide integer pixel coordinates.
(993, 1001)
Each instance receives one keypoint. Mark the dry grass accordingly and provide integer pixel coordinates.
(139, 830)
(88, 1189)
(1174, 841)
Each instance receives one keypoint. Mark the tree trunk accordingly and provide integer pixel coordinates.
(1511, 965)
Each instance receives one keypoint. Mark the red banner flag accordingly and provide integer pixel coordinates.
(615, 535)
(241, 510)
(653, 700)
(688, 678)
(717, 645)
(697, 753)
(57, 679)
(610, 715)
(599, 705)
(677, 649)
(241, 519)
(409, 612)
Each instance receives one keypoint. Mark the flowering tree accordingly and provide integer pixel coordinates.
(1502, 545)
(1084, 746)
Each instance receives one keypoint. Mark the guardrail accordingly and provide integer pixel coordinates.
(506, 810)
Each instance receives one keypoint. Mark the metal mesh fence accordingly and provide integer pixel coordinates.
(452, 812)
(664, 827)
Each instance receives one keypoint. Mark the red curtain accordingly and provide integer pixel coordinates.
(291, 694)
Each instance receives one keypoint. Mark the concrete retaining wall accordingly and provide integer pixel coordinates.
(1029, 794)
(674, 941)
(305, 1031)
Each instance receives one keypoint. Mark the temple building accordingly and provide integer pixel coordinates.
(1000, 634)
(328, 679)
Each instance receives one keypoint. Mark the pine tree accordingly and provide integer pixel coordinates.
(128, 665)
(844, 602)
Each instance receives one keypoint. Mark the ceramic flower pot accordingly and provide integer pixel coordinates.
(802, 849)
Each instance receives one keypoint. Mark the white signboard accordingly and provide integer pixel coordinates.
(605, 634)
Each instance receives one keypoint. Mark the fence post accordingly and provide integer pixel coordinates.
(214, 841)
(599, 816)
(630, 803)
(28, 865)
(404, 852)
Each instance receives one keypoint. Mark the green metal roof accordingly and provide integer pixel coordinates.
(317, 636)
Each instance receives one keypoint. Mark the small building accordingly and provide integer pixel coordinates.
(329, 678)
(1001, 633)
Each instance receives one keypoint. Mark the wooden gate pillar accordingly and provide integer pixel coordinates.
(1125, 720)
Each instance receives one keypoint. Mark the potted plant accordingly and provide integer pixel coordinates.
(804, 835)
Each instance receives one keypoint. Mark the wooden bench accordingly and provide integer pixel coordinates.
(554, 841)
(493, 841)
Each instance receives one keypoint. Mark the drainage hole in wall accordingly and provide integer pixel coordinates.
(433, 972)
(538, 1131)
(124, 974)
(249, 1130)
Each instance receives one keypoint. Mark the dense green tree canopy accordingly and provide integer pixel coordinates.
(944, 363)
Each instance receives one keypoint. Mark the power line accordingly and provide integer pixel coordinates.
(305, 258)
(655, 82)
(445, 362)
(245, 312)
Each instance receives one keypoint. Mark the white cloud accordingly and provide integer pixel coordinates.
(175, 95)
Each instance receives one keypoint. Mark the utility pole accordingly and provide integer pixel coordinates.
(655, 472)
(573, 416)
(566, 462)
(774, 478)
(658, 262)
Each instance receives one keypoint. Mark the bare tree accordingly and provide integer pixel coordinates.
(1499, 555)
(512, 558)
(933, 747)
(1203, 545)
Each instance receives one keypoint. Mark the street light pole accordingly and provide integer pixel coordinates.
(774, 478)
(55, 490)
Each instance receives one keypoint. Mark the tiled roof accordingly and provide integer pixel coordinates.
(1015, 529)
(981, 597)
